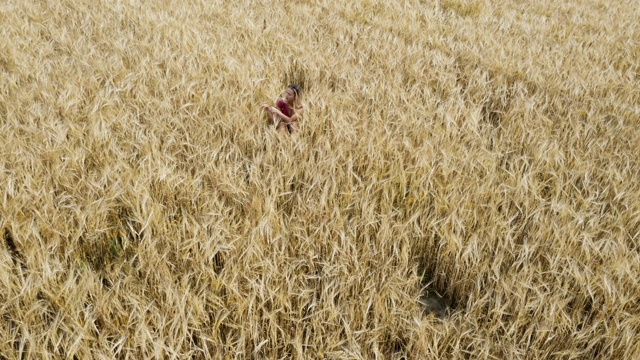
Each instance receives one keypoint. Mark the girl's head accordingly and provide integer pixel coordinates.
(293, 92)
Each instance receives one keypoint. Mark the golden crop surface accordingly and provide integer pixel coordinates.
(486, 151)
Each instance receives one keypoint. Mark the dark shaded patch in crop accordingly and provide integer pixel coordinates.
(17, 258)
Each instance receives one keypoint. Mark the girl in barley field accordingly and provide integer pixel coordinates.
(288, 111)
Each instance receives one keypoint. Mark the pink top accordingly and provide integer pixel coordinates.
(283, 107)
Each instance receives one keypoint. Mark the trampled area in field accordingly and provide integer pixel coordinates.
(484, 151)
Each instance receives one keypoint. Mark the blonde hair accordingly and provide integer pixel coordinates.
(297, 90)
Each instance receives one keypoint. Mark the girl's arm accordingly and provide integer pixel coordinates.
(275, 111)
(285, 118)
(288, 119)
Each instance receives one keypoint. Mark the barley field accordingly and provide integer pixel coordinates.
(465, 182)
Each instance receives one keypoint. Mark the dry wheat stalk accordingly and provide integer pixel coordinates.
(484, 150)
